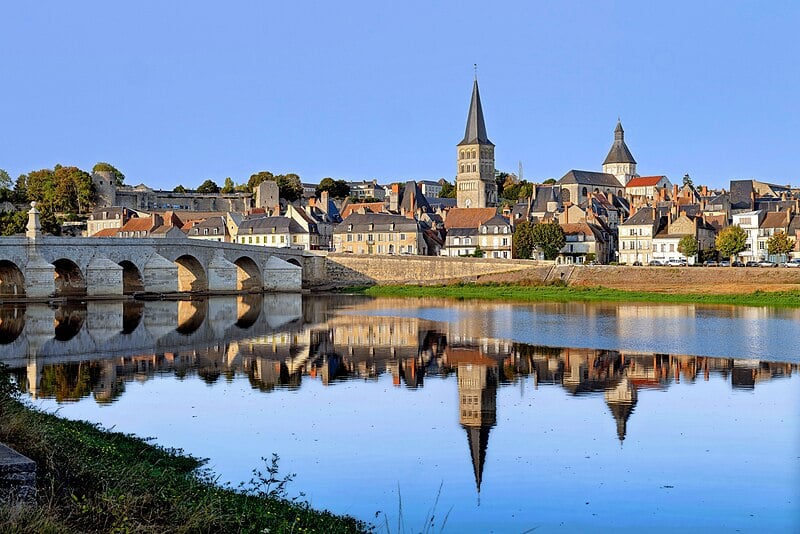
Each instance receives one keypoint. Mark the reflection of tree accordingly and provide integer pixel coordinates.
(68, 381)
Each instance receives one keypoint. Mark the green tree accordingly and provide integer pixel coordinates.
(21, 189)
(780, 244)
(256, 179)
(74, 190)
(479, 253)
(179, 189)
(13, 222)
(523, 240)
(731, 241)
(548, 238)
(688, 246)
(229, 186)
(448, 190)
(289, 186)
(47, 218)
(102, 166)
(549, 181)
(687, 180)
(209, 186)
(6, 185)
(335, 188)
(40, 186)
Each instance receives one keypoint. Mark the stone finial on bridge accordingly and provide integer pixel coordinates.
(34, 228)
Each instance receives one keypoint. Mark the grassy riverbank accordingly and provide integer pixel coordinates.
(556, 293)
(92, 480)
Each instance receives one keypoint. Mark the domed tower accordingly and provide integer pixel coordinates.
(619, 161)
(475, 183)
(105, 186)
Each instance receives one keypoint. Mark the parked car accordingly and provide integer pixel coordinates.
(767, 263)
(792, 263)
(737, 263)
(656, 263)
(710, 263)
(676, 263)
(725, 263)
(637, 263)
(751, 264)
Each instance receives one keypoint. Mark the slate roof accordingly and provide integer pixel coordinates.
(619, 152)
(589, 178)
(380, 223)
(413, 199)
(646, 215)
(265, 225)
(545, 194)
(476, 128)
(468, 217)
(776, 219)
(497, 220)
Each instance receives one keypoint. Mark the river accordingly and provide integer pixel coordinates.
(490, 417)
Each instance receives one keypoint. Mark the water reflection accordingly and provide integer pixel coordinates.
(278, 341)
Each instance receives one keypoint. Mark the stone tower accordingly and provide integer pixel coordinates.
(105, 186)
(475, 183)
(619, 161)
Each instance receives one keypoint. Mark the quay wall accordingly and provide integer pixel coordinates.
(343, 270)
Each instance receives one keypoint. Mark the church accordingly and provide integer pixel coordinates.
(475, 183)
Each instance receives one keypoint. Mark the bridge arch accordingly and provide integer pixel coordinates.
(248, 275)
(191, 275)
(69, 279)
(12, 281)
(132, 281)
(294, 261)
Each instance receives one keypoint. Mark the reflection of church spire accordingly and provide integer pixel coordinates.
(477, 393)
(621, 400)
(478, 439)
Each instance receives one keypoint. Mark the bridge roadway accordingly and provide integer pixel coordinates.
(46, 266)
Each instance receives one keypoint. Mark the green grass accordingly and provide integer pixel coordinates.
(559, 293)
(94, 480)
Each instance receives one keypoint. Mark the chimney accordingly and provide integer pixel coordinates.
(533, 191)
(394, 198)
(323, 200)
(312, 202)
(566, 215)
(674, 191)
(705, 191)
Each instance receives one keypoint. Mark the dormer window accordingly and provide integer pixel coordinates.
(349, 227)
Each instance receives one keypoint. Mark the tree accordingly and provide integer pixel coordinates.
(179, 189)
(102, 166)
(548, 238)
(209, 186)
(13, 222)
(257, 178)
(289, 186)
(74, 190)
(21, 189)
(731, 241)
(448, 190)
(780, 244)
(335, 188)
(687, 180)
(5, 186)
(229, 186)
(688, 245)
(523, 240)
(40, 186)
(549, 181)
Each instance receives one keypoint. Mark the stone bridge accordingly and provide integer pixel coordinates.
(43, 267)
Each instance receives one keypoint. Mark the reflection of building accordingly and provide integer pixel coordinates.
(621, 399)
(477, 401)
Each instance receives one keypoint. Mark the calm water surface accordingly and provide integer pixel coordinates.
(558, 417)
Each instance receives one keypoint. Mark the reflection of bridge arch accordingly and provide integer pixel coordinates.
(132, 313)
(12, 281)
(248, 310)
(191, 314)
(132, 281)
(69, 280)
(191, 275)
(69, 320)
(12, 322)
(248, 275)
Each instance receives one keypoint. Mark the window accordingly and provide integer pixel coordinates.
(360, 237)
(283, 239)
(349, 227)
(456, 241)
(350, 237)
(402, 237)
(205, 231)
(583, 192)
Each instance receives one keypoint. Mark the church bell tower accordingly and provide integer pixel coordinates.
(475, 182)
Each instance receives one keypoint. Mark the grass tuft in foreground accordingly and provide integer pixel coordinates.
(560, 293)
(93, 480)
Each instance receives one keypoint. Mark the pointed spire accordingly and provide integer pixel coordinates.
(478, 439)
(476, 128)
(619, 152)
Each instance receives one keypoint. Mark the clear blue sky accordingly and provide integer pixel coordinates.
(178, 92)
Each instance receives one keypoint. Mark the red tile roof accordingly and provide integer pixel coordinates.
(468, 217)
(106, 232)
(644, 181)
(374, 207)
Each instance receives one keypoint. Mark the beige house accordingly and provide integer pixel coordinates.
(108, 217)
(379, 233)
(636, 237)
(667, 238)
